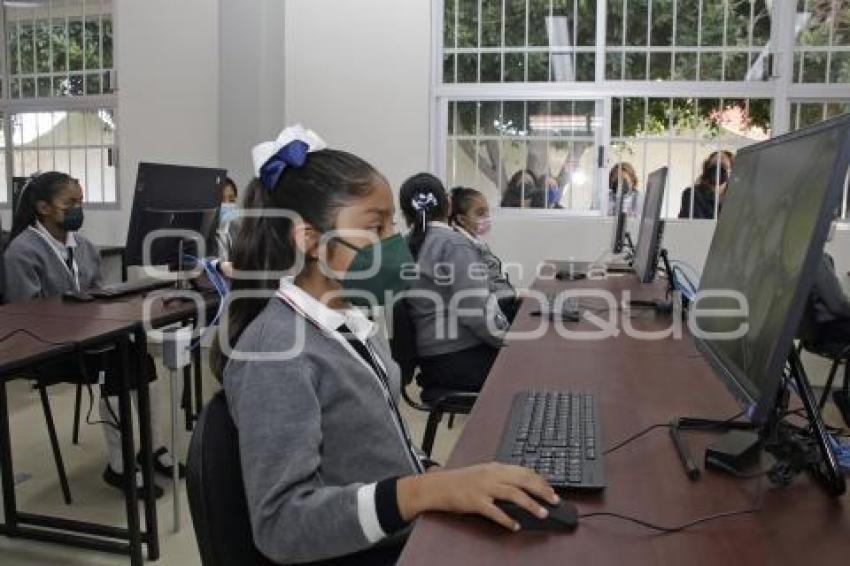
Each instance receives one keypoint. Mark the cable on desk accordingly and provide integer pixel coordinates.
(634, 437)
(678, 528)
(647, 430)
(33, 336)
(674, 529)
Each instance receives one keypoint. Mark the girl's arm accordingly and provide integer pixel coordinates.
(476, 308)
(22, 277)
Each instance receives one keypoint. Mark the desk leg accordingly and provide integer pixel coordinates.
(10, 513)
(146, 448)
(128, 453)
(199, 385)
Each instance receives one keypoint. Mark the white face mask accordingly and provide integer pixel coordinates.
(229, 211)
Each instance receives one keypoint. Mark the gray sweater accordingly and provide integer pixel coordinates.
(33, 270)
(497, 279)
(312, 430)
(450, 302)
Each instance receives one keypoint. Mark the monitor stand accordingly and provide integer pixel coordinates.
(799, 448)
(668, 304)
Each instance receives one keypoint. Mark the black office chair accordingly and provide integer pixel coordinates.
(838, 352)
(217, 498)
(437, 401)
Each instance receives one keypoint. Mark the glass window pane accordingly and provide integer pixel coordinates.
(839, 70)
(614, 65)
(636, 66)
(585, 67)
(686, 67)
(712, 22)
(75, 45)
(710, 67)
(659, 67)
(449, 69)
(614, 23)
(662, 23)
(515, 23)
(586, 33)
(467, 68)
(636, 21)
(538, 13)
(449, 8)
(515, 67)
(538, 67)
(491, 23)
(467, 23)
(491, 67)
(687, 22)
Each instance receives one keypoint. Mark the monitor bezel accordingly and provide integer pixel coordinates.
(762, 408)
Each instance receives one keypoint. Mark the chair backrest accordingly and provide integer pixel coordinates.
(216, 492)
(402, 337)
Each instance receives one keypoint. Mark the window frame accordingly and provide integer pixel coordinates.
(89, 103)
(779, 88)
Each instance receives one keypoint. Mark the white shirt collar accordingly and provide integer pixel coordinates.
(327, 318)
(70, 240)
(438, 224)
(472, 237)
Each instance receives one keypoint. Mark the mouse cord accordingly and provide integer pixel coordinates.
(678, 528)
(31, 335)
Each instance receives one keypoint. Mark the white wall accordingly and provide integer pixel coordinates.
(167, 56)
(357, 73)
(251, 80)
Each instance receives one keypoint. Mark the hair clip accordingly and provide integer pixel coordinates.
(290, 149)
(424, 201)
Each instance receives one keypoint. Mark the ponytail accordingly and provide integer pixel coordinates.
(40, 187)
(423, 199)
(263, 249)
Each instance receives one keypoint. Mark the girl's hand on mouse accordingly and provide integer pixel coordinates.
(473, 490)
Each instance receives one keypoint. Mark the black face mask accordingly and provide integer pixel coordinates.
(72, 219)
(719, 174)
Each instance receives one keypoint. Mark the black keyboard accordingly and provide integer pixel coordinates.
(130, 288)
(557, 434)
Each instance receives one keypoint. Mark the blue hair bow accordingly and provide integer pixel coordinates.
(290, 149)
(293, 154)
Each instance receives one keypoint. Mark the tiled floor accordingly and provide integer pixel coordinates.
(94, 500)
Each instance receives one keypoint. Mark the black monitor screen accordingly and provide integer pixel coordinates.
(768, 240)
(174, 197)
(649, 236)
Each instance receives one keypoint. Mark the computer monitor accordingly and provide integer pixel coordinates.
(651, 227)
(18, 184)
(766, 248)
(174, 197)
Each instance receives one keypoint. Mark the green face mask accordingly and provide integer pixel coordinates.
(368, 278)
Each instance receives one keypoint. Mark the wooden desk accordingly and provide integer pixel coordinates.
(638, 384)
(153, 313)
(58, 336)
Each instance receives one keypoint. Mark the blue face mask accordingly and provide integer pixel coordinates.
(229, 212)
(553, 196)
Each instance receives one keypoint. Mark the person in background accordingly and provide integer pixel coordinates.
(48, 257)
(228, 220)
(453, 356)
(470, 216)
(623, 177)
(521, 190)
(328, 467)
(709, 186)
(828, 303)
(553, 191)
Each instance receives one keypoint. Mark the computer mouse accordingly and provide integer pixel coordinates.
(78, 297)
(562, 517)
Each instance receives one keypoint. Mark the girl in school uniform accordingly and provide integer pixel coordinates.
(48, 257)
(455, 349)
(470, 216)
(328, 465)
